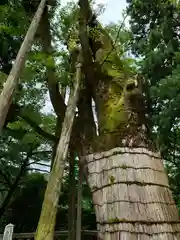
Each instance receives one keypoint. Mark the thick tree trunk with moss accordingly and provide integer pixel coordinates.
(127, 178)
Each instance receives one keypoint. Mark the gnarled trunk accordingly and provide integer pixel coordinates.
(131, 195)
(127, 178)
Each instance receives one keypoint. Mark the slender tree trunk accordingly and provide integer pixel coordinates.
(131, 195)
(72, 198)
(57, 130)
(12, 80)
(57, 134)
(79, 204)
(46, 225)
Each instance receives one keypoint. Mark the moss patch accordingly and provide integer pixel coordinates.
(116, 220)
(112, 179)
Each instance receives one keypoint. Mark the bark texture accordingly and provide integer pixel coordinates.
(46, 225)
(71, 198)
(127, 179)
(79, 204)
(12, 80)
(131, 195)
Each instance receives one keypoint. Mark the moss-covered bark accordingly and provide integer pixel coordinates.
(119, 100)
(129, 186)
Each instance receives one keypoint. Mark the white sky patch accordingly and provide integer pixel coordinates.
(113, 12)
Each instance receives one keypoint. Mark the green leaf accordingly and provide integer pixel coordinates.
(29, 138)
(32, 114)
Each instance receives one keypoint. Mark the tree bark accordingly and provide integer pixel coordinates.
(12, 80)
(52, 80)
(127, 178)
(72, 198)
(79, 204)
(131, 195)
(46, 225)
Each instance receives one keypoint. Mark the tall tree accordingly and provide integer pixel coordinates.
(124, 161)
(122, 158)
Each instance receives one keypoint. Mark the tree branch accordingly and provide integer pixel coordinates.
(5, 178)
(41, 152)
(101, 41)
(39, 130)
(86, 9)
(84, 39)
(15, 111)
(53, 86)
(39, 170)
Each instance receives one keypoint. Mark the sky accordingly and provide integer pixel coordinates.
(113, 11)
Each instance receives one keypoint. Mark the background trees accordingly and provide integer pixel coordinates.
(155, 42)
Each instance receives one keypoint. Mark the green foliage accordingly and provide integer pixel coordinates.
(155, 41)
(153, 38)
(36, 115)
(154, 28)
(13, 25)
(28, 201)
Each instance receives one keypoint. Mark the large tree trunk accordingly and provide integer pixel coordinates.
(131, 195)
(127, 179)
(12, 80)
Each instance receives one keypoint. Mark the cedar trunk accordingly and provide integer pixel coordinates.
(127, 178)
(131, 195)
